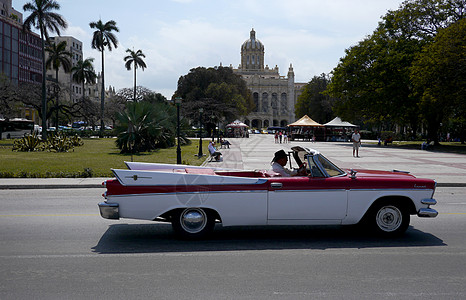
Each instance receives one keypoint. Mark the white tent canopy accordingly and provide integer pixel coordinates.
(305, 121)
(337, 122)
(237, 124)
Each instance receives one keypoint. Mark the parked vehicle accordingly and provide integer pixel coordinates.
(15, 128)
(193, 199)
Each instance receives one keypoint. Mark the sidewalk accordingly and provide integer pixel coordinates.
(256, 152)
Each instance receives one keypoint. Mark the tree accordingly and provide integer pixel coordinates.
(145, 126)
(372, 81)
(84, 72)
(220, 84)
(128, 93)
(135, 59)
(43, 18)
(439, 76)
(103, 38)
(58, 57)
(313, 102)
(8, 97)
(116, 104)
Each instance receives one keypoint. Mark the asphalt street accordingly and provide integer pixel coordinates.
(55, 245)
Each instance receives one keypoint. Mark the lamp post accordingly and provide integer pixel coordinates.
(178, 148)
(201, 110)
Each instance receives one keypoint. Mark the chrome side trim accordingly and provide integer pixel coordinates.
(387, 189)
(109, 210)
(178, 193)
(310, 191)
(427, 213)
(429, 201)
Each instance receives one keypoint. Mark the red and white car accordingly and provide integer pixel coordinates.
(193, 199)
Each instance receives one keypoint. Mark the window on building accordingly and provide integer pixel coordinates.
(256, 101)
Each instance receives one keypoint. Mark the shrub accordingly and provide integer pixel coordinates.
(28, 143)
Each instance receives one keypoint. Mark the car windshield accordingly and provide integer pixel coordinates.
(313, 169)
(328, 166)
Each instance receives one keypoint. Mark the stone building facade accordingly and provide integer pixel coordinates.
(274, 95)
(75, 47)
(75, 94)
(20, 52)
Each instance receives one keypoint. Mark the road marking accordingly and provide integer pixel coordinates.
(50, 215)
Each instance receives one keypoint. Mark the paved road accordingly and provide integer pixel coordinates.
(54, 245)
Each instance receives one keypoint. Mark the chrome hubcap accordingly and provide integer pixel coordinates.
(193, 220)
(389, 218)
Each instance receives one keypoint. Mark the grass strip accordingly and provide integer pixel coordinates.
(94, 159)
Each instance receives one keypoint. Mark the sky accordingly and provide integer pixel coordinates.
(178, 35)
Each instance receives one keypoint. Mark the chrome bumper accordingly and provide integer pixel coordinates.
(109, 210)
(428, 212)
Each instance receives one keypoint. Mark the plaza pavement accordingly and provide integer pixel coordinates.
(448, 169)
(256, 152)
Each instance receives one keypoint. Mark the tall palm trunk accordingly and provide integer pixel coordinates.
(56, 99)
(83, 92)
(134, 93)
(44, 92)
(102, 99)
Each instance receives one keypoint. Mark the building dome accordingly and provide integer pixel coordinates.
(252, 54)
(252, 43)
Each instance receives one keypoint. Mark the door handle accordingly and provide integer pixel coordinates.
(276, 185)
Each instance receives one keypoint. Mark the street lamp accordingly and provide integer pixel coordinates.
(178, 148)
(201, 110)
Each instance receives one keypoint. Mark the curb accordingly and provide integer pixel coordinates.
(49, 186)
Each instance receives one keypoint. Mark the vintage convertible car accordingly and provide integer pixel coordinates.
(193, 199)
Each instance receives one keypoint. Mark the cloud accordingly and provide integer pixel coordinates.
(78, 33)
(172, 51)
(178, 35)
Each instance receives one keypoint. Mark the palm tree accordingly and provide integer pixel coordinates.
(43, 18)
(136, 59)
(145, 126)
(58, 57)
(84, 72)
(102, 38)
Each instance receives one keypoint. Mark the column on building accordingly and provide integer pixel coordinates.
(291, 95)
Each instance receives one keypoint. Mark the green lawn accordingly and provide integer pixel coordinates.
(98, 156)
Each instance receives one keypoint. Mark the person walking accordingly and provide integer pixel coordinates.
(356, 139)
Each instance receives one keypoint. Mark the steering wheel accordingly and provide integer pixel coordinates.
(303, 168)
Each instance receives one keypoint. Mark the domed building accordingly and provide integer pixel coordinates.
(274, 95)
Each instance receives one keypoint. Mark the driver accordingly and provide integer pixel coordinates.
(279, 162)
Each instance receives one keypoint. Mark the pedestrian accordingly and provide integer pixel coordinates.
(276, 137)
(356, 139)
(285, 138)
(280, 136)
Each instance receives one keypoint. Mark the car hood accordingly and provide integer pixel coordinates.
(378, 173)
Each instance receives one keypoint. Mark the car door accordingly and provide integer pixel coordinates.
(307, 200)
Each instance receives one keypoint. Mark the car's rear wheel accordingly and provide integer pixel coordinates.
(389, 218)
(193, 223)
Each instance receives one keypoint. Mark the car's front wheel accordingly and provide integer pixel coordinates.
(193, 223)
(389, 219)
